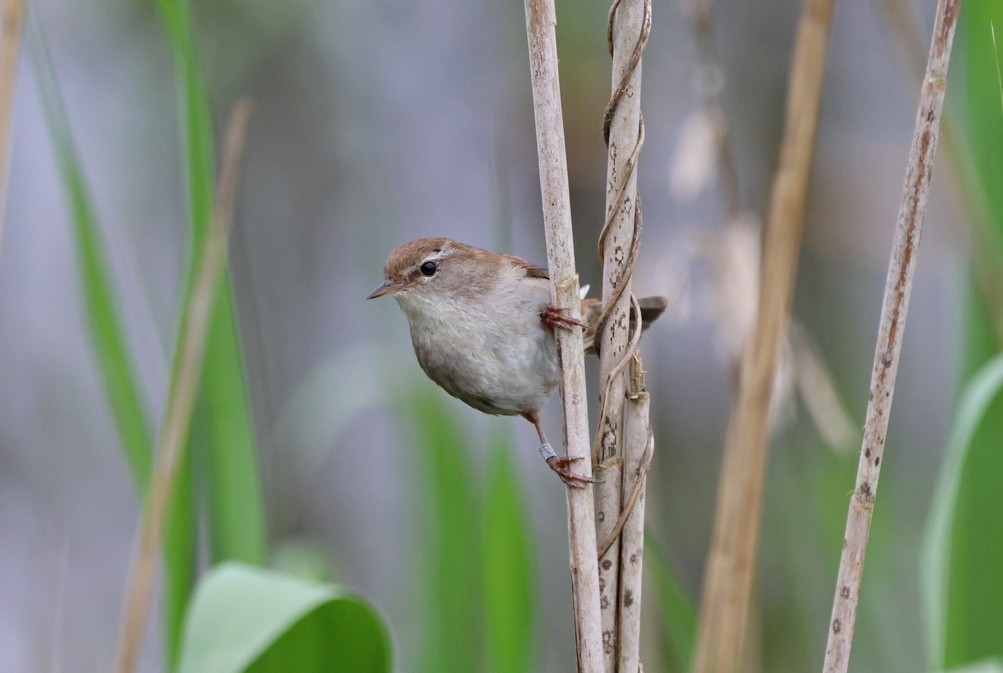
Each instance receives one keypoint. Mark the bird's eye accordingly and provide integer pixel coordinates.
(429, 269)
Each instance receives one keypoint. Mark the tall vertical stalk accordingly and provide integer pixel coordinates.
(619, 449)
(894, 309)
(639, 443)
(541, 20)
(731, 562)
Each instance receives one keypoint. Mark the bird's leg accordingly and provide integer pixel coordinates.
(553, 317)
(560, 465)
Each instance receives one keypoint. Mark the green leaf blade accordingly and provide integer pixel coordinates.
(104, 322)
(236, 511)
(222, 429)
(235, 507)
(963, 549)
(678, 616)
(450, 538)
(508, 568)
(984, 136)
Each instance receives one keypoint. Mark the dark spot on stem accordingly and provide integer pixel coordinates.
(866, 493)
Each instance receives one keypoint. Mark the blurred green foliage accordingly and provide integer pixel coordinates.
(106, 332)
(477, 593)
(509, 604)
(984, 136)
(963, 554)
(477, 574)
(676, 611)
(450, 539)
(300, 638)
(963, 550)
(222, 429)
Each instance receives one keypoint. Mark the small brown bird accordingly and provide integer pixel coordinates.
(482, 328)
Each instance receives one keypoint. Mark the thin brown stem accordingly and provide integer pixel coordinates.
(182, 397)
(540, 28)
(724, 610)
(10, 43)
(898, 287)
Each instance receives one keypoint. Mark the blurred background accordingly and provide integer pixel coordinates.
(379, 122)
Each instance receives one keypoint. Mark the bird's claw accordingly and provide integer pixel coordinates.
(562, 467)
(553, 317)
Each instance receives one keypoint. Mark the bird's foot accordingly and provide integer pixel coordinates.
(562, 466)
(553, 317)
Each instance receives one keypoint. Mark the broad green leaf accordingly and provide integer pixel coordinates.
(449, 536)
(104, 322)
(245, 619)
(963, 550)
(508, 563)
(678, 617)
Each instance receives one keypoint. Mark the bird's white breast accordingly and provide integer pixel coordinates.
(491, 350)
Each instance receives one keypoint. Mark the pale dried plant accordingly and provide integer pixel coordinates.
(733, 254)
(695, 159)
(623, 444)
(894, 310)
(541, 19)
(731, 561)
(703, 157)
(704, 150)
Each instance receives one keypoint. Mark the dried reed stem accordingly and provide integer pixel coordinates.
(636, 433)
(182, 398)
(627, 30)
(731, 563)
(13, 23)
(541, 20)
(898, 287)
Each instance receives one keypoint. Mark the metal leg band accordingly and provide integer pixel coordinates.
(547, 451)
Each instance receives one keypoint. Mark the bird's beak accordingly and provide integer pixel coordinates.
(388, 287)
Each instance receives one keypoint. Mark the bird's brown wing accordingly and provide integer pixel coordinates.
(651, 308)
(532, 270)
